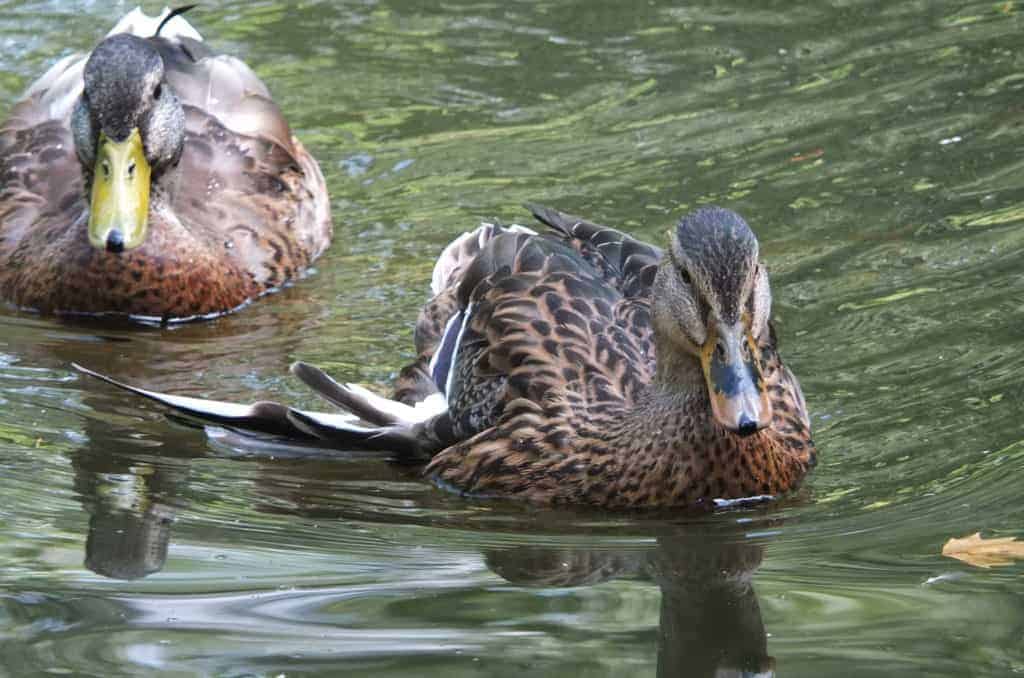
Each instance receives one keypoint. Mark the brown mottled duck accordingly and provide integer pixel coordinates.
(580, 366)
(153, 177)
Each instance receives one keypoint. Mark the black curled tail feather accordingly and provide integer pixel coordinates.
(177, 11)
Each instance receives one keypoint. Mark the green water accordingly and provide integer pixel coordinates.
(876, 149)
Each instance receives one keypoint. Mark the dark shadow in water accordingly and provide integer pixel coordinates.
(132, 488)
(131, 499)
(710, 620)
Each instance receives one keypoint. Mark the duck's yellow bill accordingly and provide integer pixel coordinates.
(732, 369)
(119, 207)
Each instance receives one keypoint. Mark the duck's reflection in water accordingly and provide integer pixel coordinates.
(131, 499)
(710, 622)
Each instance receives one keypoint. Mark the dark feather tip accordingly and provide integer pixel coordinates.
(177, 11)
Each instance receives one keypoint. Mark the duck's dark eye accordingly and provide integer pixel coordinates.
(158, 92)
(684, 275)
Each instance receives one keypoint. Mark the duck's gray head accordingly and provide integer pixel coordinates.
(128, 127)
(711, 303)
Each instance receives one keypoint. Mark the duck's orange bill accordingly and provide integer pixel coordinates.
(732, 369)
(119, 207)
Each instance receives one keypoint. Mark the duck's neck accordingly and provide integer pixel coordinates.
(678, 374)
(672, 451)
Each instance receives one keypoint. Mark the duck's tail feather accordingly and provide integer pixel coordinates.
(421, 429)
(137, 22)
(344, 397)
(262, 417)
(406, 442)
(408, 432)
(366, 404)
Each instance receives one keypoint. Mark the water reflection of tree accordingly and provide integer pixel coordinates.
(710, 620)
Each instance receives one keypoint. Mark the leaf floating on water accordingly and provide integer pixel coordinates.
(810, 155)
(979, 552)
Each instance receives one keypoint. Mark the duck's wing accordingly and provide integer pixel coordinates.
(224, 87)
(547, 349)
(789, 409)
(544, 364)
(625, 262)
(39, 171)
(543, 283)
(537, 319)
(426, 375)
(244, 176)
(540, 347)
(621, 261)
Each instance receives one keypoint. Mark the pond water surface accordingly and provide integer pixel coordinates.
(874, 146)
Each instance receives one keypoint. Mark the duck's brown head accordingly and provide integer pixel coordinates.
(711, 306)
(128, 127)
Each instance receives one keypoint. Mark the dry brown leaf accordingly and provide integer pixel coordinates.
(974, 550)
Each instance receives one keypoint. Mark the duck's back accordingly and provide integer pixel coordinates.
(547, 353)
(532, 319)
(244, 177)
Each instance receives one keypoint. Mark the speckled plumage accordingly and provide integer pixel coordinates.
(557, 401)
(579, 366)
(242, 212)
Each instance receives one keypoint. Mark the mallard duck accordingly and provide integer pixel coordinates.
(155, 178)
(580, 366)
